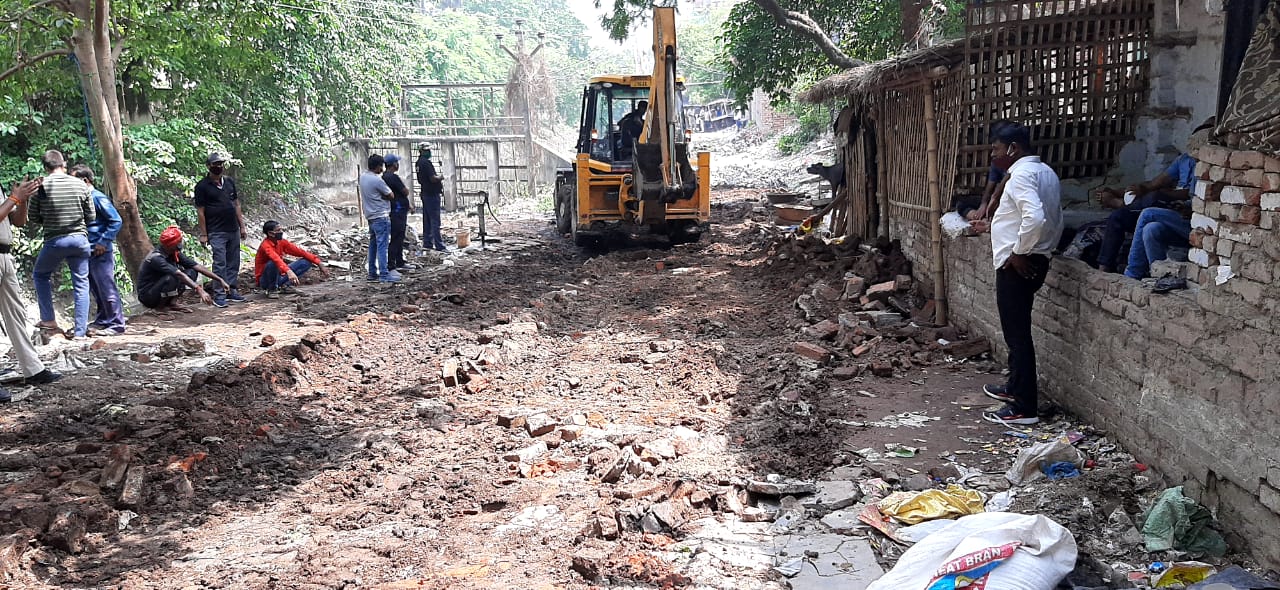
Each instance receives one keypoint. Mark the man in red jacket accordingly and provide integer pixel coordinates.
(270, 270)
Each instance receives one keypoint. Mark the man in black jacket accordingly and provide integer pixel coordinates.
(432, 187)
(401, 207)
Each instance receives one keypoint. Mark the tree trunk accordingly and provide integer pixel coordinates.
(97, 78)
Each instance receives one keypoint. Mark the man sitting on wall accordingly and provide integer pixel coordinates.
(1171, 189)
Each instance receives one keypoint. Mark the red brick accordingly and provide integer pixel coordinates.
(1271, 182)
(824, 330)
(853, 287)
(1213, 154)
(1213, 192)
(1250, 214)
(1244, 160)
(1253, 177)
(1202, 170)
(881, 291)
(812, 352)
(1272, 164)
(1219, 174)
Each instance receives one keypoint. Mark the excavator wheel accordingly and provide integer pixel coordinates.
(565, 215)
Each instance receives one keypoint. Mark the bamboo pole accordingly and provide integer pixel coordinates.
(935, 202)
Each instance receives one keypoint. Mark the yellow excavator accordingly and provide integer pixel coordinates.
(631, 177)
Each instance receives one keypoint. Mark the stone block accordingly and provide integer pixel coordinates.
(1253, 177)
(1215, 155)
(1250, 214)
(1225, 247)
(1270, 201)
(1270, 497)
(1219, 173)
(812, 352)
(1206, 222)
(1200, 257)
(1255, 265)
(1245, 160)
(881, 291)
(853, 287)
(1208, 242)
(1244, 234)
(1250, 291)
(1241, 195)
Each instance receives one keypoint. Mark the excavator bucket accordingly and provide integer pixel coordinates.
(649, 182)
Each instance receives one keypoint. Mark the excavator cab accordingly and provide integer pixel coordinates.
(624, 181)
(604, 106)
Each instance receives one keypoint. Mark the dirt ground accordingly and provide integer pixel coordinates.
(529, 417)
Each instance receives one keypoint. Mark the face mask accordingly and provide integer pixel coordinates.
(278, 235)
(427, 154)
(215, 170)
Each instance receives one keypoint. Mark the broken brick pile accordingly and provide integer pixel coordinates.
(1237, 212)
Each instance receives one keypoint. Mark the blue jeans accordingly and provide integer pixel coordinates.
(74, 249)
(103, 289)
(379, 239)
(271, 278)
(1157, 230)
(226, 259)
(431, 222)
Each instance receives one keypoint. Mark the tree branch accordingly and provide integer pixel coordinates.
(29, 9)
(33, 61)
(805, 26)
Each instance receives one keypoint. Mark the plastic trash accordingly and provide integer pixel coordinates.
(1061, 470)
(995, 551)
(1235, 578)
(1181, 573)
(917, 532)
(1001, 502)
(917, 507)
(1031, 461)
(1175, 521)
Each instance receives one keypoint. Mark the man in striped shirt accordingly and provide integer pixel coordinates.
(63, 208)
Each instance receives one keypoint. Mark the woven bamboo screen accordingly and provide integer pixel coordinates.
(904, 178)
(859, 219)
(1074, 71)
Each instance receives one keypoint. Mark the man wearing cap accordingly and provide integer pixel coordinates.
(102, 263)
(166, 273)
(13, 211)
(63, 209)
(375, 201)
(270, 269)
(432, 186)
(401, 207)
(221, 226)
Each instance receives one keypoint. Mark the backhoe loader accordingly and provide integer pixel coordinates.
(624, 185)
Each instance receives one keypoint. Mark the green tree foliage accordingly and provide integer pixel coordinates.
(762, 55)
(777, 45)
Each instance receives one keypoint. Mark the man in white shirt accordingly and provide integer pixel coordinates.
(13, 312)
(1024, 232)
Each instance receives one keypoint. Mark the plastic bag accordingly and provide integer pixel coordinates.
(994, 550)
(1182, 573)
(1027, 468)
(1178, 522)
(917, 507)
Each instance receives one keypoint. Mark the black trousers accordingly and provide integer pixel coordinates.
(1015, 295)
(395, 250)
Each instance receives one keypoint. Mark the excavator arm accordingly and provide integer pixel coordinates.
(663, 173)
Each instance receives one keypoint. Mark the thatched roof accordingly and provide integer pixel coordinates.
(862, 80)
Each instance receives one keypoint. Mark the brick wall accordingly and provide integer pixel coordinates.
(1189, 381)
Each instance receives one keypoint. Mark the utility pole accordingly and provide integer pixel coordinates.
(524, 63)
